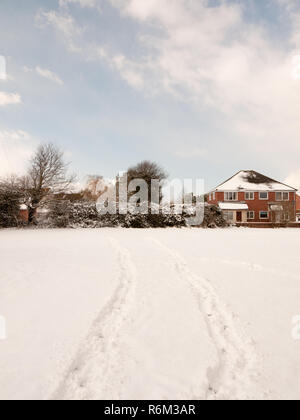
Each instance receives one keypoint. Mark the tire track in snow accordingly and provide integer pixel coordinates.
(236, 375)
(95, 370)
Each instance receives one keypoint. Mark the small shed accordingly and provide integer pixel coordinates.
(23, 213)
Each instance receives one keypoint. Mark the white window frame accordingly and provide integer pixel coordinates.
(282, 193)
(250, 212)
(226, 195)
(249, 192)
(214, 196)
(263, 192)
(288, 196)
(264, 218)
(286, 217)
(226, 214)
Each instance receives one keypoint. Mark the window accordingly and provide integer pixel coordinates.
(249, 196)
(263, 215)
(231, 196)
(282, 196)
(251, 215)
(263, 196)
(209, 197)
(286, 217)
(214, 196)
(228, 216)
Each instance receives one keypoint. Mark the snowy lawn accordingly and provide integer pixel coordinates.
(149, 314)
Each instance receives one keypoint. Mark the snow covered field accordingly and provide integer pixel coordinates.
(149, 314)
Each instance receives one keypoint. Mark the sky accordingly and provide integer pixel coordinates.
(204, 87)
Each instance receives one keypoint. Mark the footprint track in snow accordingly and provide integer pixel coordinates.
(237, 372)
(97, 365)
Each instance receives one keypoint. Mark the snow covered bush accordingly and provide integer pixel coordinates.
(65, 213)
(213, 217)
(84, 214)
(59, 213)
(154, 221)
(9, 207)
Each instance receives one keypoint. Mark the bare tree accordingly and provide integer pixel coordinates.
(96, 186)
(47, 175)
(147, 171)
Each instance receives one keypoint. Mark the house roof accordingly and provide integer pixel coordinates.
(233, 206)
(252, 181)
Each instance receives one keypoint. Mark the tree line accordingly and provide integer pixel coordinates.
(47, 185)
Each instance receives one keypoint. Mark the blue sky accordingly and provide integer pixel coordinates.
(205, 88)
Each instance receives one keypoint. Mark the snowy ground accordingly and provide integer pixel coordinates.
(149, 314)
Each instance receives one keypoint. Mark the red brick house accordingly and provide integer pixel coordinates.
(298, 207)
(250, 197)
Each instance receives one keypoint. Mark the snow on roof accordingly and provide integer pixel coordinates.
(252, 181)
(233, 206)
(23, 207)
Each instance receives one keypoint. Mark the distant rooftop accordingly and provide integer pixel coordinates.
(252, 181)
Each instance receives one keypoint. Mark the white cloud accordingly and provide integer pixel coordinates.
(16, 148)
(81, 3)
(293, 9)
(128, 70)
(211, 57)
(47, 74)
(9, 99)
(62, 22)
